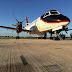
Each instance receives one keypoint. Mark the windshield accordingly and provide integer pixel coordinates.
(54, 13)
(46, 14)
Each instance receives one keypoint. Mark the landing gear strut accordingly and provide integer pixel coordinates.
(17, 37)
(51, 36)
(56, 36)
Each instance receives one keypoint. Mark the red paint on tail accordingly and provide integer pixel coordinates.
(26, 21)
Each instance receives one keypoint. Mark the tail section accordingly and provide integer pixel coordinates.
(26, 21)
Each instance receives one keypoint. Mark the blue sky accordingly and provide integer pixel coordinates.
(31, 8)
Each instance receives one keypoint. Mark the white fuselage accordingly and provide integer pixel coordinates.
(39, 26)
(50, 20)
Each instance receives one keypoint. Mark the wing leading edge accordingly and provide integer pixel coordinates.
(8, 27)
(23, 30)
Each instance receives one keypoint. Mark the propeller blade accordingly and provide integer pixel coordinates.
(23, 20)
(15, 18)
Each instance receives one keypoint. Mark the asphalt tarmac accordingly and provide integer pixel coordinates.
(33, 55)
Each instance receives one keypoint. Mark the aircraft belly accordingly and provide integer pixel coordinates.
(48, 26)
(32, 28)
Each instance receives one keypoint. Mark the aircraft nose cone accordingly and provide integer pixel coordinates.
(68, 20)
(64, 18)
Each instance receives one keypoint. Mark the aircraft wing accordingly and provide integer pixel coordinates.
(69, 29)
(23, 30)
(8, 27)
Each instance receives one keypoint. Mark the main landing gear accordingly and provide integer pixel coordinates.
(57, 36)
(17, 37)
(42, 36)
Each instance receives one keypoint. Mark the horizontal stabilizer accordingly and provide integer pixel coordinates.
(13, 25)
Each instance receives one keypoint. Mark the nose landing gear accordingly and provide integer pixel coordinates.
(58, 36)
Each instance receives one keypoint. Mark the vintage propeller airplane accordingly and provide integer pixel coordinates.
(52, 22)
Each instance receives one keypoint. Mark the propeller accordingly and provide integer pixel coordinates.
(67, 30)
(15, 18)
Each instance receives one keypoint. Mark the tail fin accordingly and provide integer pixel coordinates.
(26, 21)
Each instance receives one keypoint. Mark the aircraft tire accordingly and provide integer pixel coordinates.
(17, 37)
(39, 38)
(51, 37)
(56, 38)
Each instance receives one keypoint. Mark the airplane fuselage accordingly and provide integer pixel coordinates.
(47, 22)
(52, 22)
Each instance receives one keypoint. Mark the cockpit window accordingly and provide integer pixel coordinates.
(54, 13)
(46, 14)
(50, 13)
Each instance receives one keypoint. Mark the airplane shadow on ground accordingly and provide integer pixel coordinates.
(24, 66)
(18, 67)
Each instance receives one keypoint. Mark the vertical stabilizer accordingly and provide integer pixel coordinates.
(26, 21)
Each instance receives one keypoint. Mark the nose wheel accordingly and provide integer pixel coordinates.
(56, 38)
